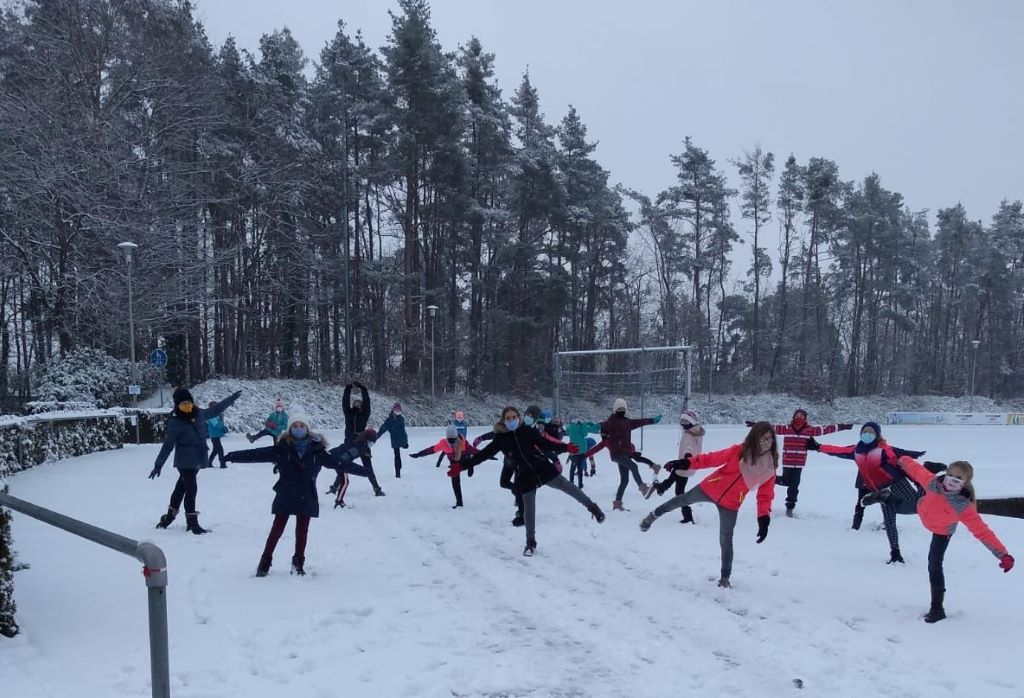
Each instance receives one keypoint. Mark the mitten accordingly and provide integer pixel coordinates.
(155, 472)
(572, 449)
(762, 527)
(656, 418)
(1006, 563)
(845, 427)
(812, 444)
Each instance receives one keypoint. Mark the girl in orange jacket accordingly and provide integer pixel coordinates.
(949, 499)
(453, 445)
(744, 467)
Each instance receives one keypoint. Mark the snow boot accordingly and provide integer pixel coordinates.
(457, 505)
(648, 521)
(789, 510)
(333, 489)
(858, 517)
(167, 518)
(724, 583)
(518, 519)
(264, 567)
(880, 497)
(193, 526)
(894, 556)
(644, 488)
(596, 512)
(687, 516)
(378, 492)
(617, 505)
(531, 547)
(936, 612)
(297, 562)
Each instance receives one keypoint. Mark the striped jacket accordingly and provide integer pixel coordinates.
(794, 445)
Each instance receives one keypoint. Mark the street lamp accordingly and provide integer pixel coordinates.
(974, 367)
(128, 248)
(432, 309)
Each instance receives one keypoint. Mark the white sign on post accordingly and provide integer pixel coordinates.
(135, 390)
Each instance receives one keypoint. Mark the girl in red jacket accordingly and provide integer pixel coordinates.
(453, 445)
(741, 468)
(949, 499)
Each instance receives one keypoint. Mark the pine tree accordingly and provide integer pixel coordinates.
(756, 169)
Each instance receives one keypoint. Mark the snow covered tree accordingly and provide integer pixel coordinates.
(756, 169)
(8, 623)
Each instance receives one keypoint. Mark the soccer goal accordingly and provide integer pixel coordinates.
(585, 379)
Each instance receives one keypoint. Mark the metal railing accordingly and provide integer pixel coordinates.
(154, 569)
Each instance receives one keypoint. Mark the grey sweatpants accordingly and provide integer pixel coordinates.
(726, 522)
(627, 466)
(530, 502)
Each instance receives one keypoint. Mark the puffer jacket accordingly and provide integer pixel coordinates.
(395, 426)
(616, 433)
(875, 464)
(523, 448)
(187, 437)
(940, 511)
(578, 431)
(728, 486)
(215, 428)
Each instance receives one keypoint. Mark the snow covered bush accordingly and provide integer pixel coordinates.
(8, 624)
(90, 375)
(152, 424)
(29, 441)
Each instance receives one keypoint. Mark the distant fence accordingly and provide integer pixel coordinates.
(948, 418)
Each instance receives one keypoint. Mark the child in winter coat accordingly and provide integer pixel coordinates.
(794, 451)
(186, 436)
(949, 499)
(458, 421)
(577, 431)
(357, 414)
(741, 468)
(216, 430)
(274, 425)
(395, 425)
(298, 457)
(615, 431)
(454, 446)
(691, 443)
(876, 463)
(350, 450)
(521, 444)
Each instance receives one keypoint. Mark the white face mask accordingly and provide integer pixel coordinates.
(951, 483)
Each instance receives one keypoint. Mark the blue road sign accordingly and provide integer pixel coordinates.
(158, 358)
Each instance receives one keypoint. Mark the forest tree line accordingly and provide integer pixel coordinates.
(297, 217)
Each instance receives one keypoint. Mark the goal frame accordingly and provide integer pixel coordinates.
(686, 349)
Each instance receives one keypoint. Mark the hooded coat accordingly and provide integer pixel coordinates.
(186, 435)
(523, 448)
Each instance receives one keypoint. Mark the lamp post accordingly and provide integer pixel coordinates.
(432, 309)
(975, 343)
(128, 248)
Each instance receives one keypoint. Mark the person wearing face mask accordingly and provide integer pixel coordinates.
(876, 465)
(454, 446)
(186, 435)
(794, 451)
(508, 472)
(948, 500)
(298, 456)
(578, 431)
(522, 444)
(691, 443)
(742, 468)
(615, 432)
(395, 426)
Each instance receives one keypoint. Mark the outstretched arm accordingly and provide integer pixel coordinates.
(713, 459)
(846, 452)
(917, 472)
(425, 452)
(480, 456)
(346, 399)
(267, 454)
(982, 532)
(222, 405)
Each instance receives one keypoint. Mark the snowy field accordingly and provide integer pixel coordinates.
(406, 597)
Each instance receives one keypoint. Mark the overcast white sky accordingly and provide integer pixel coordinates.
(928, 93)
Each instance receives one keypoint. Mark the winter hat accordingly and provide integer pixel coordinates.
(211, 403)
(691, 416)
(532, 411)
(460, 415)
(278, 404)
(800, 410)
(182, 395)
(619, 405)
(451, 432)
(872, 425)
(299, 417)
(546, 416)
(397, 407)
(370, 434)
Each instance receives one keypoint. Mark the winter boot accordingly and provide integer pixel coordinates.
(457, 505)
(880, 497)
(531, 547)
(167, 518)
(596, 511)
(264, 567)
(789, 510)
(333, 489)
(648, 521)
(724, 583)
(617, 505)
(378, 492)
(858, 517)
(644, 488)
(894, 556)
(192, 524)
(518, 519)
(687, 516)
(936, 612)
(297, 562)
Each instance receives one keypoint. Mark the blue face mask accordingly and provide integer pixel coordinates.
(528, 420)
(867, 438)
(299, 433)
(511, 424)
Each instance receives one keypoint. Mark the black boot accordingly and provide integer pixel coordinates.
(936, 612)
(167, 518)
(193, 524)
(789, 510)
(264, 567)
(596, 512)
(858, 517)
(518, 520)
(687, 516)
(894, 556)
(531, 547)
(457, 505)
(297, 562)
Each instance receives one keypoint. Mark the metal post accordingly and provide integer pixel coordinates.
(128, 248)
(154, 569)
(558, 380)
(432, 309)
(974, 368)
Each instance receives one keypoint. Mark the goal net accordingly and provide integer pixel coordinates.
(648, 378)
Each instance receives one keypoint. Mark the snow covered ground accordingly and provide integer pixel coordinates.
(406, 597)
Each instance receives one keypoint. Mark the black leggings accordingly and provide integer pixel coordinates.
(457, 489)
(185, 488)
(791, 481)
(508, 471)
(936, 553)
(218, 450)
(398, 462)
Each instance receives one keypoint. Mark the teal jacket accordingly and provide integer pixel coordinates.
(578, 433)
(215, 428)
(279, 418)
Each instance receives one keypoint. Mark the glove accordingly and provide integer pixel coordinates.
(844, 427)
(933, 467)
(749, 423)
(656, 418)
(762, 527)
(572, 449)
(416, 455)
(812, 445)
(469, 471)
(155, 472)
(1006, 563)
